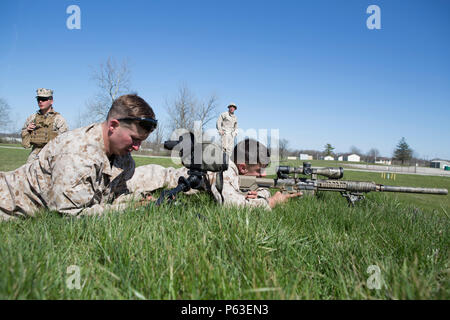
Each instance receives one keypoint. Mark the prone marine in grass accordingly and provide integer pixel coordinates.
(84, 171)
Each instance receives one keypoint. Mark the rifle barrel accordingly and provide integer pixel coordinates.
(384, 188)
(251, 183)
(365, 186)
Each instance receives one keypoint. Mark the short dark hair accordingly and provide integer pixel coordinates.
(250, 151)
(130, 106)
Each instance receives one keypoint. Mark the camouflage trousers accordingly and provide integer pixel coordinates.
(34, 154)
(228, 142)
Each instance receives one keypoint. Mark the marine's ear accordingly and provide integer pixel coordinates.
(242, 168)
(113, 124)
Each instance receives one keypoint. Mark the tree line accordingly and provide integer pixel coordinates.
(403, 154)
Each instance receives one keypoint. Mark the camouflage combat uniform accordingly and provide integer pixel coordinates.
(72, 175)
(232, 196)
(227, 123)
(48, 126)
(151, 177)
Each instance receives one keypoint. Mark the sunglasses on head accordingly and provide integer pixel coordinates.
(43, 98)
(146, 123)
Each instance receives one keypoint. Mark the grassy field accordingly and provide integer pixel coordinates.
(310, 248)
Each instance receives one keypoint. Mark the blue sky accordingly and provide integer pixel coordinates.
(311, 69)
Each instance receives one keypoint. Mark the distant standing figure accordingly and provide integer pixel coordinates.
(42, 126)
(227, 127)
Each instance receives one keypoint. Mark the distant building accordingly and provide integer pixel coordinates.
(11, 139)
(304, 156)
(439, 164)
(349, 157)
(292, 158)
(383, 160)
(329, 158)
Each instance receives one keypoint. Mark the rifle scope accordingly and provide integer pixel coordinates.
(330, 172)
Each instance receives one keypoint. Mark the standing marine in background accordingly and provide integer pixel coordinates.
(227, 127)
(42, 126)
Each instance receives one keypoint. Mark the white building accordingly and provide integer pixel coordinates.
(354, 157)
(12, 139)
(329, 158)
(304, 156)
(383, 160)
(440, 164)
(350, 157)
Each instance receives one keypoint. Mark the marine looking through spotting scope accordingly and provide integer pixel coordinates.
(199, 158)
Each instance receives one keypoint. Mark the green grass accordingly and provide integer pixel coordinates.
(15, 145)
(310, 248)
(165, 162)
(11, 159)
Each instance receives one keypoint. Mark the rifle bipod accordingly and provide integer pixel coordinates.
(352, 198)
(195, 180)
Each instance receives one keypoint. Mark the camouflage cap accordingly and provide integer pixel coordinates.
(232, 104)
(41, 92)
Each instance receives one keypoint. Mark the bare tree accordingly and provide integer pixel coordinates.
(283, 148)
(4, 111)
(185, 109)
(112, 80)
(373, 154)
(157, 137)
(294, 153)
(181, 110)
(207, 111)
(356, 150)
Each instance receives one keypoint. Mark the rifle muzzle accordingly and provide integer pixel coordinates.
(384, 188)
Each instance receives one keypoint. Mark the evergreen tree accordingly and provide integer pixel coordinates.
(403, 152)
(328, 149)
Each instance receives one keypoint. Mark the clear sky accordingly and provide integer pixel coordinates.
(311, 69)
